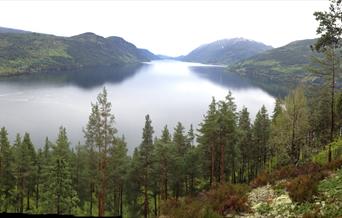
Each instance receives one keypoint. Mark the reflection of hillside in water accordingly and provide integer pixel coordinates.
(220, 76)
(89, 77)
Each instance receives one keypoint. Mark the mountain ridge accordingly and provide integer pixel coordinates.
(36, 52)
(225, 51)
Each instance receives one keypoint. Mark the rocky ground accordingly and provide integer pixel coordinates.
(274, 202)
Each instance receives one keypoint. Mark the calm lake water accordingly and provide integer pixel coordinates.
(170, 91)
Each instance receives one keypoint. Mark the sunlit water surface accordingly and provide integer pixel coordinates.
(170, 91)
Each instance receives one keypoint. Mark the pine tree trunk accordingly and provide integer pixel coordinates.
(192, 185)
(332, 106)
(222, 179)
(165, 185)
(28, 200)
(22, 195)
(155, 205)
(37, 196)
(91, 199)
(121, 198)
(212, 175)
(145, 199)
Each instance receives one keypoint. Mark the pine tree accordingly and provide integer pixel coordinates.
(163, 161)
(277, 109)
(99, 134)
(261, 134)
(330, 31)
(245, 145)
(6, 173)
(29, 168)
(146, 150)
(118, 167)
(226, 133)
(207, 140)
(60, 196)
(38, 176)
(190, 136)
(135, 182)
(18, 173)
(180, 149)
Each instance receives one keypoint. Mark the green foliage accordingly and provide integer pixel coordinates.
(332, 195)
(322, 156)
(285, 64)
(290, 129)
(264, 209)
(330, 27)
(33, 52)
(59, 195)
(6, 174)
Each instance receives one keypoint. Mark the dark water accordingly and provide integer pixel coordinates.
(169, 91)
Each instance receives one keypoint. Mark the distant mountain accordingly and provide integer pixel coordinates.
(286, 64)
(10, 30)
(33, 52)
(225, 51)
(146, 53)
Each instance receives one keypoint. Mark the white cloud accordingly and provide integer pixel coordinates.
(168, 27)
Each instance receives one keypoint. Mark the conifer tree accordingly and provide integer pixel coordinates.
(6, 173)
(29, 168)
(207, 140)
(60, 196)
(245, 145)
(261, 134)
(226, 123)
(146, 150)
(118, 168)
(330, 31)
(99, 134)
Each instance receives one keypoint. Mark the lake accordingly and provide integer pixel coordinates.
(170, 91)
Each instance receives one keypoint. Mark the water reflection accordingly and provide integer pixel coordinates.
(84, 78)
(169, 91)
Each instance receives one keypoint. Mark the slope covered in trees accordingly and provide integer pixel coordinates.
(225, 51)
(287, 64)
(27, 52)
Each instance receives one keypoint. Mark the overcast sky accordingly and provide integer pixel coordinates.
(168, 27)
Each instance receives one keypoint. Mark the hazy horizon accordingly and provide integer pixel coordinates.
(170, 28)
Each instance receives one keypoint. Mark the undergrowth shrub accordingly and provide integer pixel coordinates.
(262, 179)
(303, 187)
(314, 214)
(333, 165)
(291, 171)
(185, 207)
(229, 198)
(217, 202)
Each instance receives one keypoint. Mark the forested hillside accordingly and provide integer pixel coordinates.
(289, 63)
(33, 52)
(225, 51)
